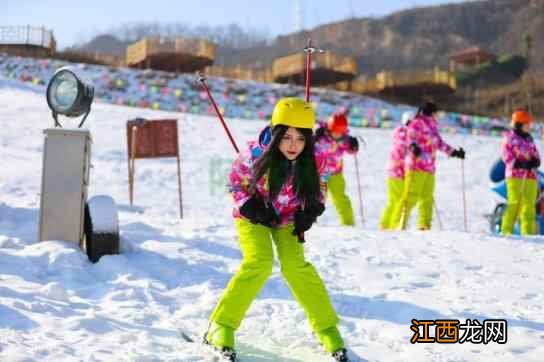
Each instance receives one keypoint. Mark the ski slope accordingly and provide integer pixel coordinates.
(57, 306)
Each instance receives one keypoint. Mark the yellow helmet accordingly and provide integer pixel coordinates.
(293, 112)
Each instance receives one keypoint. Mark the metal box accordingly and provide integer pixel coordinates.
(65, 177)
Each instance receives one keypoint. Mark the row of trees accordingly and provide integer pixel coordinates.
(229, 36)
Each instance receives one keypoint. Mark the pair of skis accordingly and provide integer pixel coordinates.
(229, 355)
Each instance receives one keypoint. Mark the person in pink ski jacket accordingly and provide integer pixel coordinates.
(332, 139)
(278, 194)
(522, 159)
(424, 140)
(395, 172)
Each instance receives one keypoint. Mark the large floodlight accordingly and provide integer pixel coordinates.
(68, 95)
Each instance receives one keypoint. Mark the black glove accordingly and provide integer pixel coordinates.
(414, 148)
(353, 143)
(534, 163)
(258, 212)
(459, 153)
(304, 219)
(527, 164)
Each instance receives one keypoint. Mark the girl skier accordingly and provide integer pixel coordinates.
(395, 179)
(521, 157)
(333, 140)
(277, 197)
(423, 141)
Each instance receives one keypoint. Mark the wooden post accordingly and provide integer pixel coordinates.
(132, 163)
(179, 190)
(464, 195)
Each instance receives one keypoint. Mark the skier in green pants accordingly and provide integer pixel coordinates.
(278, 194)
(333, 139)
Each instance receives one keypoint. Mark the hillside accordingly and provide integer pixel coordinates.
(418, 38)
(409, 39)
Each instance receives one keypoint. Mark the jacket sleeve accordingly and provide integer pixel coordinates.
(441, 144)
(343, 145)
(240, 179)
(324, 173)
(508, 151)
(400, 141)
(535, 152)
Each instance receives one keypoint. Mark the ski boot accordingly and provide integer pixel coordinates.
(221, 339)
(331, 339)
(341, 355)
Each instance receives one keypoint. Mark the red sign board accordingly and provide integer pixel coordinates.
(157, 138)
(152, 139)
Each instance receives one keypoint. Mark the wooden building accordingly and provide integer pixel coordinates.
(172, 55)
(469, 57)
(409, 87)
(327, 68)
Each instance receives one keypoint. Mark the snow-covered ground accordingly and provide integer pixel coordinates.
(57, 306)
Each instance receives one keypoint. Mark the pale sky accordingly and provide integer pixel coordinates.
(77, 21)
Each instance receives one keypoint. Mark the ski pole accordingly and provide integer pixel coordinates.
(309, 49)
(404, 211)
(464, 194)
(438, 215)
(359, 188)
(202, 80)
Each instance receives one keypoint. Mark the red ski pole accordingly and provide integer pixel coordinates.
(202, 80)
(309, 51)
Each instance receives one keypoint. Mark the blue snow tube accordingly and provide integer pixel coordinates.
(500, 188)
(497, 171)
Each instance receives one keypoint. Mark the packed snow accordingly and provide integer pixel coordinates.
(57, 306)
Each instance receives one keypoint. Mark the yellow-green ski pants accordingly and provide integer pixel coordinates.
(258, 256)
(418, 190)
(522, 194)
(337, 191)
(395, 190)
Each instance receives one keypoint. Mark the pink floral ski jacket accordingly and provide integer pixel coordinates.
(517, 147)
(286, 202)
(423, 131)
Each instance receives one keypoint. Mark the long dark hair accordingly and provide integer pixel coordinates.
(304, 169)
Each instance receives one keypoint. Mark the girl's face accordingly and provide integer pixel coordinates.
(292, 143)
(526, 127)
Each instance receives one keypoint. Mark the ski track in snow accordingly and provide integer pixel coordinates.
(57, 306)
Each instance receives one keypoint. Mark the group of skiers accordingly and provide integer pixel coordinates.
(412, 165)
(279, 187)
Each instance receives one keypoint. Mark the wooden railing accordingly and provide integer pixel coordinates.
(239, 72)
(27, 35)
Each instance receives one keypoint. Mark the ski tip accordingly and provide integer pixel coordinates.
(186, 337)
